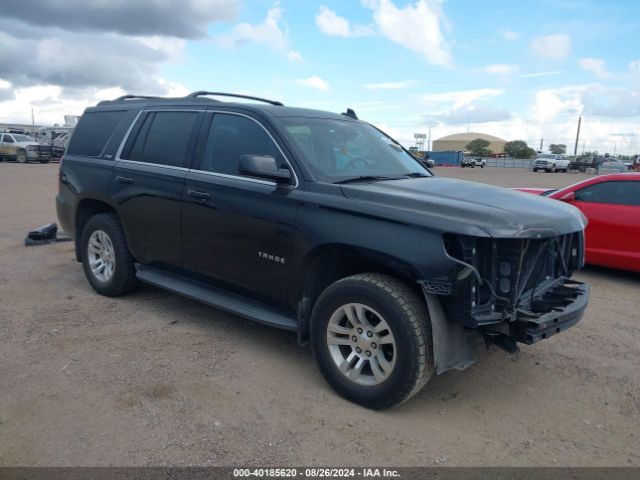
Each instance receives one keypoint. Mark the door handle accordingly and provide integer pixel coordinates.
(125, 180)
(199, 194)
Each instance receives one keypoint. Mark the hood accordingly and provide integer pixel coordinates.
(459, 206)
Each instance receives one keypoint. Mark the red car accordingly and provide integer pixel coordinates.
(611, 203)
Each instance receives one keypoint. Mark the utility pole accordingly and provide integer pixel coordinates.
(583, 147)
(541, 142)
(33, 119)
(429, 139)
(575, 149)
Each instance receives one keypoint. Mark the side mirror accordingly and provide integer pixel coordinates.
(264, 166)
(568, 197)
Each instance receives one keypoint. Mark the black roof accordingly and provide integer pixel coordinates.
(261, 106)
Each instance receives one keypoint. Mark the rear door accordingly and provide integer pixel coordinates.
(237, 229)
(148, 182)
(613, 211)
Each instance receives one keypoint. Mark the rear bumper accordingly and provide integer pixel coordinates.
(557, 308)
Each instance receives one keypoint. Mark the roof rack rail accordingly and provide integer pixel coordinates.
(222, 94)
(130, 97)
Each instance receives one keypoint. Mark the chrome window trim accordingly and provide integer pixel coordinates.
(169, 167)
(206, 172)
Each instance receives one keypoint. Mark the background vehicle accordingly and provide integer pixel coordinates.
(469, 161)
(321, 224)
(550, 163)
(16, 146)
(611, 204)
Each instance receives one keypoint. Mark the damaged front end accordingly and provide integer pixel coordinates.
(516, 288)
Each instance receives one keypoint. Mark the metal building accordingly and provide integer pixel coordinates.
(459, 141)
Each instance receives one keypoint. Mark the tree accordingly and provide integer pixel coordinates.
(558, 148)
(518, 149)
(479, 147)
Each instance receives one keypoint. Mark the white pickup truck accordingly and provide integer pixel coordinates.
(551, 163)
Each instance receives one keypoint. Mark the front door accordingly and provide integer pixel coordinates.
(236, 229)
(7, 147)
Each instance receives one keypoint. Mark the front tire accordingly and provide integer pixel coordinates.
(107, 263)
(21, 156)
(371, 338)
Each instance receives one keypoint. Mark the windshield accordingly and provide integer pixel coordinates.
(22, 138)
(547, 156)
(337, 150)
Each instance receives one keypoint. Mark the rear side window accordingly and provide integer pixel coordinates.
(163, 139)
(93, 131)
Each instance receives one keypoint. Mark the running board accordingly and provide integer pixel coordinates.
(217, 297)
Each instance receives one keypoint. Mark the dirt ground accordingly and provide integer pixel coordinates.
(155, 379)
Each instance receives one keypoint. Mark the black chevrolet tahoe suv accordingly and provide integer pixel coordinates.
(320, 224)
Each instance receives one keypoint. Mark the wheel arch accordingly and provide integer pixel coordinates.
(329, 263)
(87, 208)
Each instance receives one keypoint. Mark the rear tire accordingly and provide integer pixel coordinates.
(377, 331)
(107, 263)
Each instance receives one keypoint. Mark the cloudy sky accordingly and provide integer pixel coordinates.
(518, 70)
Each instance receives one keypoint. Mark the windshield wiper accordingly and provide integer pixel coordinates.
(363, 178)
(417, 175)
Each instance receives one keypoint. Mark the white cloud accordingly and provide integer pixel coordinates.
(470, 113)
(500, 69)
(52, 102)
(542, 74)
(4, 84)
(552, 47)
(596, 66)
(462, 97)
(417, 27)
(270, 32)
(294, 56)
(314, 82)
(509, 35)
(332, 24)
(391, 85)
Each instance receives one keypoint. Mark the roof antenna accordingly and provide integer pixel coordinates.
(350, 113)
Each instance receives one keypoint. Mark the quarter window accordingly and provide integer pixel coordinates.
(613, 192)
(93, 131)
(7, 139)
(163, 139)
(232, 136)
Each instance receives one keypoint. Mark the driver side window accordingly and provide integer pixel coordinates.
(232, 136)
(8, 139)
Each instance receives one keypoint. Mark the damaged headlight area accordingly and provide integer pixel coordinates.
(518, 288)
